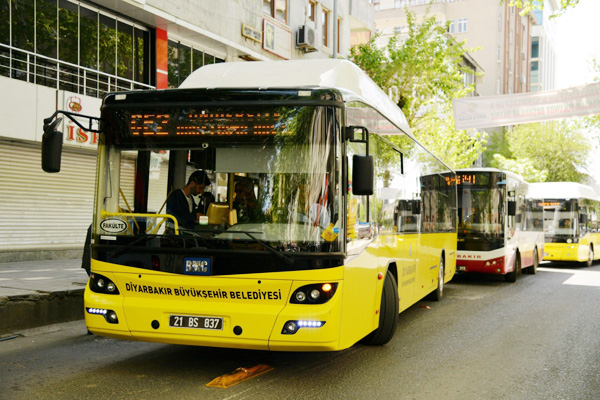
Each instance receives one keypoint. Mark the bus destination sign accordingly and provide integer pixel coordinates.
(207, 124)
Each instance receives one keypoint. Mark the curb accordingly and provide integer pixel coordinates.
(34, 310)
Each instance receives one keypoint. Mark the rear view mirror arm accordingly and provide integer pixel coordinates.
(72, 116)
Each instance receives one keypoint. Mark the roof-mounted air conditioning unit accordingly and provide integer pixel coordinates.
(306, 39)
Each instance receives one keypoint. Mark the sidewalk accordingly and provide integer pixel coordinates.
(38, 293)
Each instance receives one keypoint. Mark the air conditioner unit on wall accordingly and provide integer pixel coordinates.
(306, 39)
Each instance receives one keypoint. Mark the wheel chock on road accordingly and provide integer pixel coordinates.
(239, 375)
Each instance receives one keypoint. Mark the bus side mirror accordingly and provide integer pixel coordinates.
(582, 219)
(512, 208)
(362, 175)
(52, 141)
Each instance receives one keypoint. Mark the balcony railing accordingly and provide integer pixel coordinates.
(35, 68)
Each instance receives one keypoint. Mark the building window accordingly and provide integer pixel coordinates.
(276, 9)
(498, 54)
(113, 51)
(183, 60)
(397, 30)
(462, 25)
(498, 86)
(535, 72)
(325, 26)
(311, 10)
(376, 4)
(535, 47)
(452, 27)
(499, 23)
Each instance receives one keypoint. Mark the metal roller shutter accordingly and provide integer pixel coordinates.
(40, 210)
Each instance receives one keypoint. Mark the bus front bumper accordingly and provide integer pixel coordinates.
(565, 252)
(243, 322)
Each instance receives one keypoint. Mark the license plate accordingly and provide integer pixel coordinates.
(461, 268)
(187, 321)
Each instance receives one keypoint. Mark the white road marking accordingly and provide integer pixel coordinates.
(579, 277)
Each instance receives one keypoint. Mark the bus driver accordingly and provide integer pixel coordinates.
(182, 205)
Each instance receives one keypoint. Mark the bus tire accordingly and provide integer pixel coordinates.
(590, 259)
(512, 276)
(536, 262)
(388, 314)
(438, 293)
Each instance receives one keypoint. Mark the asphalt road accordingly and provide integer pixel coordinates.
(538, 338)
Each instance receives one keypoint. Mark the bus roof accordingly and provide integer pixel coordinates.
(343, 75)
(565, 190)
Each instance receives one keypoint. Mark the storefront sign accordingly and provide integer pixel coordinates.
(251, 33)
(80, 104)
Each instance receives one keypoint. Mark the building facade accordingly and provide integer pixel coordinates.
(67, 54)
(499, 36)
(543, 49)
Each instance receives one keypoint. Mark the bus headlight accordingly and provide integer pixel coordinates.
(101, 284)
(316, 293)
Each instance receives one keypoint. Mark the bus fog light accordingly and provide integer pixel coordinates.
(111, 317)
(291, 327)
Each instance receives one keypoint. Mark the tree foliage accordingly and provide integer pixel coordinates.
(527, 6)
(423, 73)
(550, 151)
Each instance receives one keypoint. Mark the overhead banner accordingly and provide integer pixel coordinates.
(512, 109)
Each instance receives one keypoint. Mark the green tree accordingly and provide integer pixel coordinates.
(557, 149)
(527, 6)
(523, 167)
(424, 73)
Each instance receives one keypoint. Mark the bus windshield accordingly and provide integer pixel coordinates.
(273, 184)
(480, 211)
(560, 220)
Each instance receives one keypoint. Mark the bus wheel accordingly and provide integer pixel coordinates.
(590, 259)
(512, 276)
(438, 293)
(388, 314)
(536, 262)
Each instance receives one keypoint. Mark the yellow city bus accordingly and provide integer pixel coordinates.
(343, 229)
(571, 224)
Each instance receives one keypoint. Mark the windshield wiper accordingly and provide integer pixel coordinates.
(265, 245)
(119, 250)
(268, 247)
